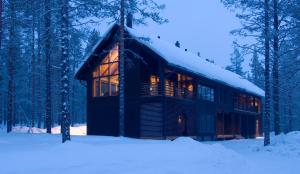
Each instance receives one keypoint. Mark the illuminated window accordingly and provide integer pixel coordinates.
(154, 80)
(185, 87)
(169, 88)
(206, 93)
(106, 75)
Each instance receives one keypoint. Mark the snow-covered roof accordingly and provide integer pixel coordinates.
(188, 61)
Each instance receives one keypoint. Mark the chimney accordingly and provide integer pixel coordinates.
(158, 37)
(129, 20)
(177, 44)
(185, 50)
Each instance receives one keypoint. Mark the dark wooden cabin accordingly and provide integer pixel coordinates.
(169, 92)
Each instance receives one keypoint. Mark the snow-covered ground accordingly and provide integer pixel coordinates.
(76, 130)
(42, 153)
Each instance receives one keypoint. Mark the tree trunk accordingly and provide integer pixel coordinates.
(275, 70)
(39, 83)
(48, 65)
(33, 65)
(1, 96)
(11, 57)
(65, 84)
(121, 70)
(290, 114)
(267, 75)
(1, 27)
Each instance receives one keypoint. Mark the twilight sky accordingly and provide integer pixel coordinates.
(199, 25)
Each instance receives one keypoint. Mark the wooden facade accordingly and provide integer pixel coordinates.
(163, 101)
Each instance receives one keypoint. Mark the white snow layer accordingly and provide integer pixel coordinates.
(76, 130)
(188, 61)
(43, 153)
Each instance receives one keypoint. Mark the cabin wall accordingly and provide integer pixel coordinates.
(132, 95)
(161, 116)
(102, 114)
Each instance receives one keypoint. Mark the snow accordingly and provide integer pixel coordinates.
(43, 153)
(191, 62)
(77, 129)
(187, 61)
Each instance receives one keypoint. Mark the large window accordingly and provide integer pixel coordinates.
(206, 93)
(106, 75)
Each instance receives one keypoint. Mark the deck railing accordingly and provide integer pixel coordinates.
(247, 108)
(148, 89)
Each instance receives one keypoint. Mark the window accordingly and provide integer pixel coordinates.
(206, 93)
(169, 88)
(106, 75)
(247, 103)
(154, 81)
(185, 86)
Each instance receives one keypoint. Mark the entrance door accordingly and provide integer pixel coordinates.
(182, 122)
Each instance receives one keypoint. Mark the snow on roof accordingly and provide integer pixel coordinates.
(190, 62)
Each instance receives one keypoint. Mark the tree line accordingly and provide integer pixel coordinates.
(42, 44)
(275, 65)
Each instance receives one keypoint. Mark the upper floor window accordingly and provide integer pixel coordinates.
(206, 93)
(247, 103)
(106, 75)
(185, 86)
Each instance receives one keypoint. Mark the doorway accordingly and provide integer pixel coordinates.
(182, 124)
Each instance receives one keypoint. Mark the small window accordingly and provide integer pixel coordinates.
(106, 75)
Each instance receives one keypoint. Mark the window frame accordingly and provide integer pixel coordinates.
(108, 61)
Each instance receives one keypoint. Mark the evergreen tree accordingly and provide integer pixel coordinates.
(92, 40)
(236, 62)
(47, 43)
(257, 70)
(11, 64)
(65, 70)
(275, 68)
(267, 74)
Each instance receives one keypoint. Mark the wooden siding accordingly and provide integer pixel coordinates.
(151, 122)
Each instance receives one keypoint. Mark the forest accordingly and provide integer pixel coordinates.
(43, 43)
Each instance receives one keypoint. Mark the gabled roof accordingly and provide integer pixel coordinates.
(184, 60)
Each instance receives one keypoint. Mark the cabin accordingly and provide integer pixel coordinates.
(169, 92)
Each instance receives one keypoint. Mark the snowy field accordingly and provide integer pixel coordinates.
(41, 153)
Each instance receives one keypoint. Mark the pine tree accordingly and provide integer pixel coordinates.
(257, 70)
(236, 62)
(33, 62)
(11, 57)
(47, 42)
(121, 69)
(65, 69)
(275, 69)
(267, 74)
(92, 40)
(1, 71)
